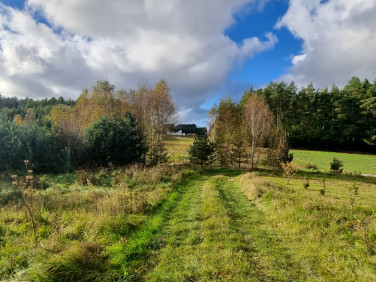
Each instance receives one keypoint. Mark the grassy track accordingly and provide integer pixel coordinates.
(139, 253)
(213, 232)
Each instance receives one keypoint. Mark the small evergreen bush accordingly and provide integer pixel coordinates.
(201, 151)
(336, 166)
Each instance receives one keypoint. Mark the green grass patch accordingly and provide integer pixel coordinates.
(85, 229)
(333, 233)
(352, 163)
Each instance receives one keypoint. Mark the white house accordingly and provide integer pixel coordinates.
(179, 133)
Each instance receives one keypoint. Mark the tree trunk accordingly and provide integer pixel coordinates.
(253, 153)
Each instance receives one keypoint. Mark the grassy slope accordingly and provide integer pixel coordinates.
(351, 162)
(177, 148)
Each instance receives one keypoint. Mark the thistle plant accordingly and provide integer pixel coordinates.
(27, 193)
(288, 170)
(306, 183)
(323, 189)
(354, 192)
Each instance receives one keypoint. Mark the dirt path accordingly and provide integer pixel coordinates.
(211, 232)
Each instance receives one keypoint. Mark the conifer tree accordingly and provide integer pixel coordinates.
(201, 151)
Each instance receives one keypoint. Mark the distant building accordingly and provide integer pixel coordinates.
(179, 133)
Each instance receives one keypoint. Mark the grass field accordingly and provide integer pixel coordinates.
(181, 223)
(177, 148)
(365, 164)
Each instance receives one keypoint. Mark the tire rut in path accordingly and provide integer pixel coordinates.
(276, 261)
(139, 255)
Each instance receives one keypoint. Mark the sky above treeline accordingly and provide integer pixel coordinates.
(205, 50)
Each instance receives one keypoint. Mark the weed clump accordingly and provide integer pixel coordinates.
(369, 236)
(83, 261)
(252, 186)
(288, 170)
(311, 166)
(306, 183)
(354, 192)
(323, 189)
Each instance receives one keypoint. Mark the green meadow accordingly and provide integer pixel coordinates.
(352, 163)
(177, 148)
(182, 223)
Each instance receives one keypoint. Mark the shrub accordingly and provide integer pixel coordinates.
(336, 166)
(83, 176)
(38, 144)
(114, 142)
(288, 170)
(311, 166)
(279, 154)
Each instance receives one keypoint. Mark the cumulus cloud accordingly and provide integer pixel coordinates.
(124, 41)
(339, 39)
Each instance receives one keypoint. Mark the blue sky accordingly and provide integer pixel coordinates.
(271, 64)
(204, 49)
(14, 3)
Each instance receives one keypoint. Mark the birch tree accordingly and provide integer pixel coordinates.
(257, 120)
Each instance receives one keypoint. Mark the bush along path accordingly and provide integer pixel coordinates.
(209, 231)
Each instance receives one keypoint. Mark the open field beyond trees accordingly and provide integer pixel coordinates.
(181, 223)
(353, 163)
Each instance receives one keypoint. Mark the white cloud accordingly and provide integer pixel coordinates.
(125, 41)
(253, 45)
(339, 39)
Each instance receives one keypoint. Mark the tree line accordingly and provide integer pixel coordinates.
(106, 127)
(103, 127)
(238, 132)
(190, 128)
(280, 116)
(328, 119)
